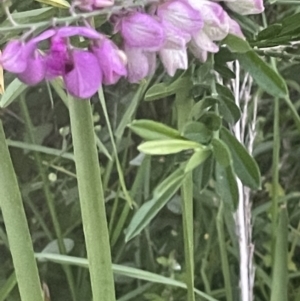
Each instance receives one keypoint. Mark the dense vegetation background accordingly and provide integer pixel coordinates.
(37, 127)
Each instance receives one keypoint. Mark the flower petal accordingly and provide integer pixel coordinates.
(174, 59)
(138, 66)
(202, 41)
(71, 31)
(111, 61)
(142, 31)
(15, 56)
(181, 15)
(84, 77)
(35, 70)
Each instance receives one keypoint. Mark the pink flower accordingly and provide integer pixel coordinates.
(111, 60)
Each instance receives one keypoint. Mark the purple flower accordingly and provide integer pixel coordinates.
(14, 56)
(141, 31)
(180, 21)
(111, 60)
(82, 74)
(140, 63)
(180, 15)
(174, 59)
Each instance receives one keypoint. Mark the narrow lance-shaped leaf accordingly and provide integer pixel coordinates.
(165, 147)
(152, 130)
(263, 74)
(244, 165)
(150, 209)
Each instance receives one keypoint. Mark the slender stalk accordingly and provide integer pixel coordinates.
(183, 106)
(91, 200)
(17, 228)
(223, 252)
(48, 195)
(66, 20)
(275, 174)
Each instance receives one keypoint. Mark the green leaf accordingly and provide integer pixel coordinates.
(152, 130)
(162, 194)
(162, 90)
(221, 152)
(226, 186)
(56, 3)
(229, 110)
(236, 44)
(198, 108)
(196, 159)
(165, 147)
(203, 173)
(8, 286)
(14, 89)
(124, 271)
(263, 74)
(197, 131)
(211, 120)
(224, 92)
(280, 270)
(244, 165)
(269, 32)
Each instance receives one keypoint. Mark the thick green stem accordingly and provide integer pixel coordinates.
(17, 228)
(91, 200)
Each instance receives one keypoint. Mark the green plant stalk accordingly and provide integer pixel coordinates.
(17, 228)
(224, 258)
(275, 176)
(91, 200)
(183, 106)
(48, 195)
(188, 232)
(279, 290)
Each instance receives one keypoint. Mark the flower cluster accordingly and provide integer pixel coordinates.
(166, 29)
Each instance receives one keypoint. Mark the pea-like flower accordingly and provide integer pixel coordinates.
(82, 70)
(142, 35)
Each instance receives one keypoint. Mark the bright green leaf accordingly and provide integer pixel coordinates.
(196, 159)
(14, 89)
(56, 3)
(165, 147)
(152, 130)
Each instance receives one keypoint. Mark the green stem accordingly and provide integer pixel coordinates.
(223, 252)
(275, 174)
(184, 104)
(17, 228)
(48, 195)
(66, 20)
(188, 231)
(91, 200)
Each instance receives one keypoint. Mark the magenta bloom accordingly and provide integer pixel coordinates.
(111, 60)
(82, 74)
(140, 30)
